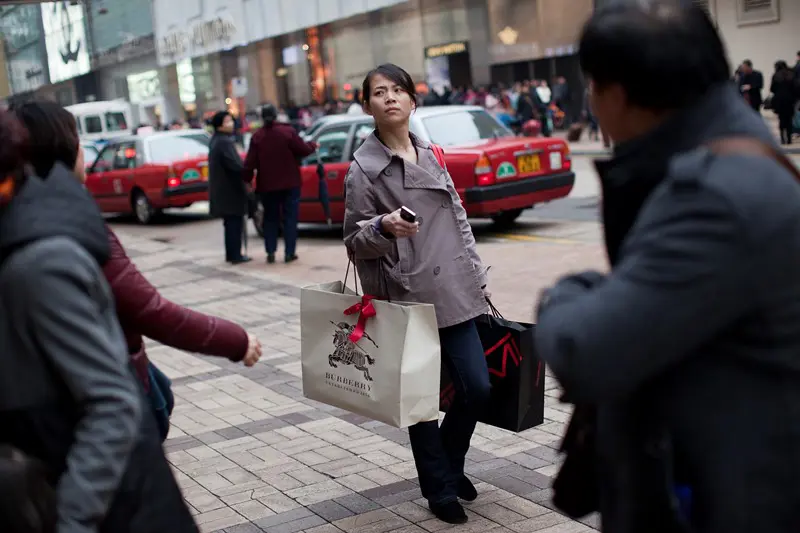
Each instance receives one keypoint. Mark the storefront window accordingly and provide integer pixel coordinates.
(186, 88)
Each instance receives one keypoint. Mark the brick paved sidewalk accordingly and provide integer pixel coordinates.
(253, 455)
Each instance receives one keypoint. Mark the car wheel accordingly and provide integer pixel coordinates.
(142, 208)
(258, 218)
(506, 219)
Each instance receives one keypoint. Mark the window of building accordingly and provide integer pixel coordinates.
(94, 124)
(757, 11)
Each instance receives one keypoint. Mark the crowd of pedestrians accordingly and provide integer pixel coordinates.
(681, 360)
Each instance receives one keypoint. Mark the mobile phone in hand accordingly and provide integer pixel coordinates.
(408, 215)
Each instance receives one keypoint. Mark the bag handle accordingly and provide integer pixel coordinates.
(494, 310)
(438, 153)
(754, 147)
(352, 262)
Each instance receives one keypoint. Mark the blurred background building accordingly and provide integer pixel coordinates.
(179, 58)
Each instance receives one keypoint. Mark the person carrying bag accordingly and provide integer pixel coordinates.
(408, 233)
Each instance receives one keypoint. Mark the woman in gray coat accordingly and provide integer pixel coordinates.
(430, 260)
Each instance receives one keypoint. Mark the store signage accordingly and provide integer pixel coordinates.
(65, 40)
(201, 38)
(508, 36)
(131, 48)
(446, 49)
(26, 70)
(144, 86)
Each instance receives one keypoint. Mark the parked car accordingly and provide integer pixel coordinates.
(143, 174)
(90, 153)
(497, 174)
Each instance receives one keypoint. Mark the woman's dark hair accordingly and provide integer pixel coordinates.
(391, 72)
(27, 501)
(664, 56)
(218, 119)
(781, 65)
(14, 146)
(53, 135)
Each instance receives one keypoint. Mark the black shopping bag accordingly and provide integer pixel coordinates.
(517, 376)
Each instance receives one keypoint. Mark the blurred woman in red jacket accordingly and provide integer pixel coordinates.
(141, 310)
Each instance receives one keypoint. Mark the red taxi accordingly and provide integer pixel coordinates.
(143, 174)
(496, 174)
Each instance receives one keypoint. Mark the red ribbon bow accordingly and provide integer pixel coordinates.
(366, 310)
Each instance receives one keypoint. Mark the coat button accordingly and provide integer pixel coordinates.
(436, 271)
(388, 172)
(444, 204)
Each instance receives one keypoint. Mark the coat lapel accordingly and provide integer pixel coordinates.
(426, 174)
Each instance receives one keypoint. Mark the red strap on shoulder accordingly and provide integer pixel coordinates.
(438, 153)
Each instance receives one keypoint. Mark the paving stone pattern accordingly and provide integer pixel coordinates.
(253, 455)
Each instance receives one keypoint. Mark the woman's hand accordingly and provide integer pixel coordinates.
(393, 223)
(253, 351)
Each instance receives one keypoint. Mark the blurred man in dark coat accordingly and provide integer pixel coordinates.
(227, 190)
(688, 351)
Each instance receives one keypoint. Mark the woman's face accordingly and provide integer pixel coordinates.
(388, 103)
(80, 168)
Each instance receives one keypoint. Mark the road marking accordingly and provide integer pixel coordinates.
(536, 238)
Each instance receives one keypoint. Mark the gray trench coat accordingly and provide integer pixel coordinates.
(440, 265)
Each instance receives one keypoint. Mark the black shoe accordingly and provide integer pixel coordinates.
(292, 258)
(240, 260)
(270, 258)
(451, 513)
(466, 490)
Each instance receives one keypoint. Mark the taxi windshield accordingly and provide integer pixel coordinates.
(464, 127)
(168, 149)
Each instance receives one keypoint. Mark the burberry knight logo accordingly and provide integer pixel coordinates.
(346, 352)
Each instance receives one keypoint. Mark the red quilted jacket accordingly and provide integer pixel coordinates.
(142, 312)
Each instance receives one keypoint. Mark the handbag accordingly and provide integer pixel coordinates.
(516, 401)
(161, 398)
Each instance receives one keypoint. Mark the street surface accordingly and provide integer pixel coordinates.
(253, 455)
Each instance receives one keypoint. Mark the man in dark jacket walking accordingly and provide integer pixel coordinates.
(751, 84)
(687, 352)
(227, 191)
(274, 154)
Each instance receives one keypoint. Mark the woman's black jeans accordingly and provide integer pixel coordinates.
(439, 452)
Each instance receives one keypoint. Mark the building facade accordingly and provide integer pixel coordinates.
(183, 58)
(25, 52)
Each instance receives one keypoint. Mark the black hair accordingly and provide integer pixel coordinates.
(391, 72)
(748, 63)
(268, 114)
(664, 57)
(219, 118)
(27, 500)
(781, 65)
(53, 135)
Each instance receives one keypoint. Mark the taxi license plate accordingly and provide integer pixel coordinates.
(528, 164)
(204, 173)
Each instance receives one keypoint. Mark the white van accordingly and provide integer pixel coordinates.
(101, 121)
